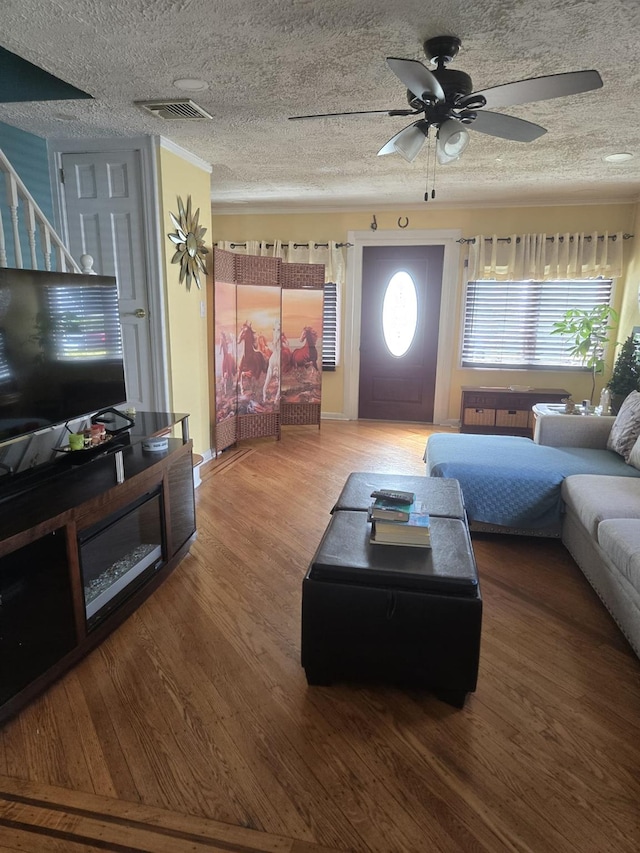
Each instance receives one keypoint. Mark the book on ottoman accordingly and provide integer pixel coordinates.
(415, 530)
(386, 510)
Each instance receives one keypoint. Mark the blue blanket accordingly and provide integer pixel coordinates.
(513, 481)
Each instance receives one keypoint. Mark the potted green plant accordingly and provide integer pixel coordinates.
(587, 333)
(626, 373)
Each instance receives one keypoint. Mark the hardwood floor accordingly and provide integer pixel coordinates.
(192, 727)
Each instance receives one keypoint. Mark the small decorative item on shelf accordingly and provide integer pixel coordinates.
(569, 406)
(97, 433)
(605, 402)
(76, 441)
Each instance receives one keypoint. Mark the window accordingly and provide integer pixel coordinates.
(400, 313)
(330, 327)
(508, 324)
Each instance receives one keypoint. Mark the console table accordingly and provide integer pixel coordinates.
(501, 410)
(81, 551)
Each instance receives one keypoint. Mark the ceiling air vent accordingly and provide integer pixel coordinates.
(175, 110)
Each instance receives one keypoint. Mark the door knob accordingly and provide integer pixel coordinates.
(141, 313)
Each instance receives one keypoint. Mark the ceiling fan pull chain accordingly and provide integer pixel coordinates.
(433, 183)
(426, 188)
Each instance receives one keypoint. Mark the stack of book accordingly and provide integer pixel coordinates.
(398, 519)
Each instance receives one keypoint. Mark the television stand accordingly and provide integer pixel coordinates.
(75, 562)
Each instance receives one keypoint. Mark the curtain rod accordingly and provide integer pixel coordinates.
(295, 245)
(552, 239)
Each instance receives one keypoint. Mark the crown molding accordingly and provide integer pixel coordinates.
(189, 156)
(287, 210)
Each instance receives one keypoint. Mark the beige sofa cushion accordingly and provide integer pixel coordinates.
(634, 456)
(626, 427)
(619, 538)
(596, 497)
(573, 431)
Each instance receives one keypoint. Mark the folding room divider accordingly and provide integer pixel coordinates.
(268, 337)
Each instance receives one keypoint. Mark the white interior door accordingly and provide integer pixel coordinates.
(102, 197)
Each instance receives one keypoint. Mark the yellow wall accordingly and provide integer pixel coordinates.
(188, 344)
(300, 227)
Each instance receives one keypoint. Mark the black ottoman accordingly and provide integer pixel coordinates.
(441, 496)
(408, 616)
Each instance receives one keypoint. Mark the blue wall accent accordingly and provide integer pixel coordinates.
(27, 154)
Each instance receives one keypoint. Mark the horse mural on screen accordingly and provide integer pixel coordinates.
(228, 363)
(271, 385)
(225, 357)
(285, 354)
(253, 362)
(301, 376)
(307, 354)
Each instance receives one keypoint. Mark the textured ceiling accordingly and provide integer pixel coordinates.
(265, 60)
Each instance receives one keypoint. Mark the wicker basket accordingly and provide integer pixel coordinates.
(479, 417)
(512, 418)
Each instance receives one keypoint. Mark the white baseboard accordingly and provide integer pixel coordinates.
(207, 456)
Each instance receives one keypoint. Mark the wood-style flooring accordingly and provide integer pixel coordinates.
(192, 728)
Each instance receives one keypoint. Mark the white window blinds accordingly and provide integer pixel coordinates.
(330, 326)
(508, 324)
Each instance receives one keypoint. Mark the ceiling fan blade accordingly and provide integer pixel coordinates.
(357, 113)
(506, 127)
(541, 88)
(416, 78)
(407, 142)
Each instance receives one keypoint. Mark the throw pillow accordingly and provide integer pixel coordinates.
(634, 456)
(626, 427)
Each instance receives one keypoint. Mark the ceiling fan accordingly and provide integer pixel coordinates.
(445, 100)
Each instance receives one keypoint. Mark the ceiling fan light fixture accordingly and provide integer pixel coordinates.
(411, 140)
(451, 142)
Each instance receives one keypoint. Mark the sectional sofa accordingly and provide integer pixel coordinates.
(567, 482)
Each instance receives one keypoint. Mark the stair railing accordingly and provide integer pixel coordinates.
(40, 233)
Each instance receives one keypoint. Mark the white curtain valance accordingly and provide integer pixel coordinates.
(545, 257)
(329, 254)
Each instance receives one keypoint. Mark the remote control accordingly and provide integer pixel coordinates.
(394, 496)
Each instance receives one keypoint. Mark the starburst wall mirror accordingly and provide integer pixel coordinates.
(188, 238)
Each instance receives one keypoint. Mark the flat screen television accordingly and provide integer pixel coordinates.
(60, 349)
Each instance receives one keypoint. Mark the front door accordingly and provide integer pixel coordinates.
(104, 217)
(400, 314)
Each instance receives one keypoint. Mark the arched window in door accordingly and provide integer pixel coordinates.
(400, 313)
